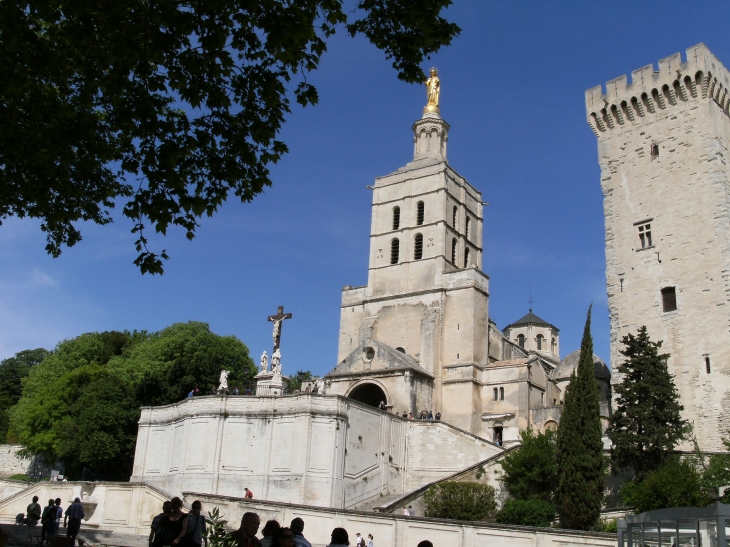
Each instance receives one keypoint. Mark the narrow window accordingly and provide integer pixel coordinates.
(654, 150)
(669, 299)
(539, 342)
(521, 340)
(542, 398)
(501, 394)
(456, 212)
(466, 257)
(496, 394)
(396, 218)
(498, 435)
(554, 346)
(419, 213)
(394, 251)
(707, 364)
(466, 228)
(453, 251)
(418, 247)
(645, 235)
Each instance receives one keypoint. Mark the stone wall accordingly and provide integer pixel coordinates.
(10, 464)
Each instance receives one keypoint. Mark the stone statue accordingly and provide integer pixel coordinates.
(224, 380)
(264, 362)
(276, 362)
(407, 376)
(277, 332)
(433, 89)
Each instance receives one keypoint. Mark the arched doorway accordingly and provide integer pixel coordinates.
(370, 394)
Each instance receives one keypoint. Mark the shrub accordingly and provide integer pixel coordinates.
(530, 512)
(461, 501)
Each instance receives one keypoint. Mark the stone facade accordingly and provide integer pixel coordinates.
(663, 148)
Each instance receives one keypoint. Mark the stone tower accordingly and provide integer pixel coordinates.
(415, 334)
(663, 151)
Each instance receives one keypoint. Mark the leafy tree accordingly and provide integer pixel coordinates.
(526, 512)
(646, 424)
(12, 372)
(296, 381)
(532, 469)
(674, 484)
(581, 465)
(168, 107)
(461, 501)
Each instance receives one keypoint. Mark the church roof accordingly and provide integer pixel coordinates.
(570, 363)
(385, 358)
(530, 319)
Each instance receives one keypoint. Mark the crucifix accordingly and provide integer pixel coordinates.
(277, 320)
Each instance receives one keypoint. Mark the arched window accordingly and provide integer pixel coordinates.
(418, 247)
(396, 218)
(520, 339)
(453, 251)
(466, 227)
(419, 213)
(501, 394)
(539, 342)
(394, 251)
(456, 212)
(496, 394)
(466, 257)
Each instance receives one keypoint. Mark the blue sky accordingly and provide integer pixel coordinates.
(512, 91)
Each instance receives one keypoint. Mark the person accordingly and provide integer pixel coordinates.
(245, 536)
(74, 513)
(284, 538)
(249, 494)
(438, 415)
(371, 541)
(235, 391)
(410, 415)
(190, 395)
(381, 406)
(270, 530)
(423, 415)
(406, 513)
(339, 538)
(156, 522)
(197, 392)
(297, 528)
(44, 520)
(430, 415)
(411, 512)
(359, 540)
(213, 391)
(54, 518)
(32, 515)
(170, 525)
(425, 543)
(193, 532)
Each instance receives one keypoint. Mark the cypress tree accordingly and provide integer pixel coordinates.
(581, 465)
(646, 424)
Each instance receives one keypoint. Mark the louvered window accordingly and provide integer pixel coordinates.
(396, 218)
(453, 251)
(466, 228)
(669, 299)
(418, 247)
(466, 258)
(419, 213)
(394, 251)
(453, 222)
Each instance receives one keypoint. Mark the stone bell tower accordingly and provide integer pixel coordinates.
(412, 336)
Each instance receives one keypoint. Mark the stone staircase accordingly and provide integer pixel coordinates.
(373, 504)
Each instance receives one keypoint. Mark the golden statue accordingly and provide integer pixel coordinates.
(433, 88)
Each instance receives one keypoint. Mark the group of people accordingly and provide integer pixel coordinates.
(50, 518)
(173, 527)
(424, 415)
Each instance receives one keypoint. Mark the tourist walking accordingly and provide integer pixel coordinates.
(271, 528)
(359, 540)
(74, 513)
(245, 536)
(156, 526)
(371, 541)
(54, 518)
(44, 520)
(170, 525)
(193, 528)
(339, 538)
(297, 528)
(438, 415)
(32, 515)
(284, 538)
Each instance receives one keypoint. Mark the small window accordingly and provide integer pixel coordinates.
(466, 227)
(521, 340)
(453, 251)
(419, 213)
(654, 150)
(542, 398)
(554, 346)
(496, 394)
(418, 247)
(402, 350)
(539, 342)
(394, 251)
(501, 394)
(707, 364)
(498, 435)
(466, 257)
(669, 299)
(456, 212)
(396, 218)
(645, 235)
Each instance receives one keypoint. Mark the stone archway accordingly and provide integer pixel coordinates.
(370, 394)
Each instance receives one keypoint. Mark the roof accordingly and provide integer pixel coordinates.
(570, 363)
(530, 319)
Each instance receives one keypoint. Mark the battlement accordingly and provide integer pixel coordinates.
(700, 77)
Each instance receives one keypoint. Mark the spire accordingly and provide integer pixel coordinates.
(430, 133)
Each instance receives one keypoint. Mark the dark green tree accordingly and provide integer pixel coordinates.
(581, 464)
(168, 107)
(532, 469)
(526, 512)
(461, 501)
(12, 372)
(646, 424)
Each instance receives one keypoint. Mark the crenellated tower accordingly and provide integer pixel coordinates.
(663, 148)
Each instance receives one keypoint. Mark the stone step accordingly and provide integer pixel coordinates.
(374, 503)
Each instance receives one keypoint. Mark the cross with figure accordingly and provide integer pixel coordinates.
(277, 320)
